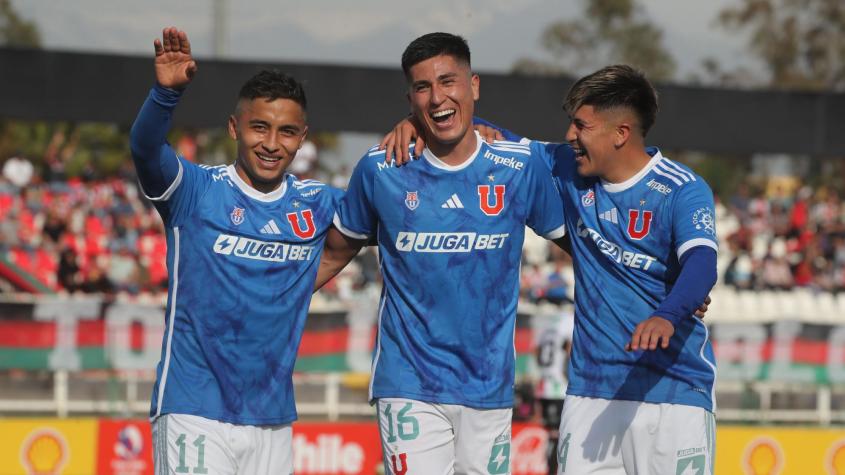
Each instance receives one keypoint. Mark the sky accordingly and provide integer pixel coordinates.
(362, 32)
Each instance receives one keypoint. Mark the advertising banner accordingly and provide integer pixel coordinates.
(47, 446)
(780, 451)
(124, 447)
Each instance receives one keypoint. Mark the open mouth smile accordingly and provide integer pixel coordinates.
(442, 115)
(267, 158)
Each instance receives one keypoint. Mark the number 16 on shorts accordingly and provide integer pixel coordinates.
(398, 429)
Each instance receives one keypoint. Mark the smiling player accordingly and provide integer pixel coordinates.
(450, 229)
(644, 253)
(243, 244)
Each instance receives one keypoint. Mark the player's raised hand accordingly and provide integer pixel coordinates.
(174, 65)
(396, 142)
(650, 333)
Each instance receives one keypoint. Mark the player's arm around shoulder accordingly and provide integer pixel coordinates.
(354, 218)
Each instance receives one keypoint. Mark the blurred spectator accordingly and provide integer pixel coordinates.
(68, 274)
(18, 171)
(123, 271)
(187, 146)
(783, 242)
(304, 163)
(96, 281)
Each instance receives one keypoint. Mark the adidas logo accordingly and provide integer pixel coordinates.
(610, 215)
(271, 228)
(453, 202)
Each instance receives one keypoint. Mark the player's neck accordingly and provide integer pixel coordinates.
(626, 164)
(454, 154)
(261, 187)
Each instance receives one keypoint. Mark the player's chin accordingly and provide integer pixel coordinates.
(584, 166)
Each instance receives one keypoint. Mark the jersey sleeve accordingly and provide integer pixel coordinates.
(356, 215)
(170, 182)
(336, 195)
(546, 213)
(693, 218)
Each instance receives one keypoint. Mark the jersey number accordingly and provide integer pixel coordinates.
(563, 452)
(407, 426)
(199, 443)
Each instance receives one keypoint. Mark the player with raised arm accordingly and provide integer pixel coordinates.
(644, 251)
(244, 243)
(450, 229)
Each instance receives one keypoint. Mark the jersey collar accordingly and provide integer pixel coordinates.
(252, 192)
(437, 163)
(617, 187)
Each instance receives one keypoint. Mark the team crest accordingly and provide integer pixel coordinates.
(703, 220)
(303, 227)
(636, 229)
(412, 201)
(588, 198)
(498, 199)
(237, 215)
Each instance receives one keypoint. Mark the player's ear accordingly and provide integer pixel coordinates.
(233, 127)
(475, 82)
(622, 134)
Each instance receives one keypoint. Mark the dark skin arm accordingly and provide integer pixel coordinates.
(338, 251)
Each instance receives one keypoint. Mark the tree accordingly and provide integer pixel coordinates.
(800, 42)
(15, 31)
(611, 31)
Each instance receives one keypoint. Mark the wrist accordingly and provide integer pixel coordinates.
(166, 96)
(670, 317)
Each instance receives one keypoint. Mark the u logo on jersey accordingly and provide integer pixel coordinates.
(403, 461)
(308, 217)
(484, 199)
(633, 225)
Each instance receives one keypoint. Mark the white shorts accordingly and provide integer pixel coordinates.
(634, 438)
(442, 439)
(193, 444)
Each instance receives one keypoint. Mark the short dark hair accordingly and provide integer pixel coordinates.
(272, 84)
(434, 44)
(615, 86)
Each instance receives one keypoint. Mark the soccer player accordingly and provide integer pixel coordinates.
(244, 243)
(642, 372)
(450, 229)
(553, 337)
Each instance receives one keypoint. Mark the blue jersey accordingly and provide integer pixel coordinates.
(450, 242)
(242, 266)
(627, 240)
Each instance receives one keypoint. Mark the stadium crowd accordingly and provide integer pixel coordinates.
(781, 241)
(102, 235)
